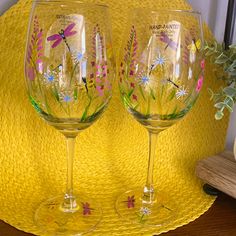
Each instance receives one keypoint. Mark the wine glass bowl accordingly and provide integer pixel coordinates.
(160, 75)
(68, 63)
(69, 73)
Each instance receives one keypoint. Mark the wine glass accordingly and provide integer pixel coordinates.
(160, 73)
(69, 73)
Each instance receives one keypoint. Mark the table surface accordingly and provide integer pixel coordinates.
(219, 220)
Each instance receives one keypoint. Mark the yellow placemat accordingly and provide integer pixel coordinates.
(111, 156)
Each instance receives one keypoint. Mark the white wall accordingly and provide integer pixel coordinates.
(5, 4)
(214, 13)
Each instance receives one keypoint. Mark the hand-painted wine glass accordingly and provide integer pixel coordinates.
(160, 73)
(69, 73)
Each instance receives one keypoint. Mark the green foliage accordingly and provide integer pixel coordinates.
(225, 60)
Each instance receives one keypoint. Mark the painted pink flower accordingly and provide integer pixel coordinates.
(199, 84)
(35, 52)
(30, 73)
(108, 85)
(104, 67)
(100, 90)
(98, 80)
(202, 63)
(131, 73)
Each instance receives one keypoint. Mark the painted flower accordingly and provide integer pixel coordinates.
(79, 56)
(98, 80)
(135, 97)
(199, 84)
(181, 92)
(49, 77)
(132, 85)
(144, 80)
(39, 63)
(159, 60)
(30, 73)
(148, 81)
(202, 63)
(100, 90)
(67, 98)
(107, 85)
(131, 73)
(145, 211)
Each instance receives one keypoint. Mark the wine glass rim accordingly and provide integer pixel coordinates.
(71, 1)
(167, 10)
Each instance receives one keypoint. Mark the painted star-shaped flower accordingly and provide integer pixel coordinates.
(181, 92)
(159, 60)
(145, 211)
(145, 80)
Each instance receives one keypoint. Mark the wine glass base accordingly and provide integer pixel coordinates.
(53, 219)
(130, 207)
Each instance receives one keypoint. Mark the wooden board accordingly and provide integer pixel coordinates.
(219, 171)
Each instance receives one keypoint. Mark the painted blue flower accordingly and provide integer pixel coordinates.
(50, 78)
(79, 56)
(160, 60)
(145, 211)
(145, 80)
(67, 98)
(181, 92)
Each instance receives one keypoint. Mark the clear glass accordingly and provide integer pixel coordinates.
(160, 73)
(69, 73)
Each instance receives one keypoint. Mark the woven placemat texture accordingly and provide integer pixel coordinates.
(111, 156)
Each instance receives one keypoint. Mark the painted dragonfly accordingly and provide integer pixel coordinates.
(62, 36)
(169, 42)
(130, 202)
(86, 208)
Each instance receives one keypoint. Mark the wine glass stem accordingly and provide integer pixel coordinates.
(148, 193)
(70, 161)
(70, 204)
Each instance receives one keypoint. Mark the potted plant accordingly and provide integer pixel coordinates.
(225, 59)
(225, 97)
